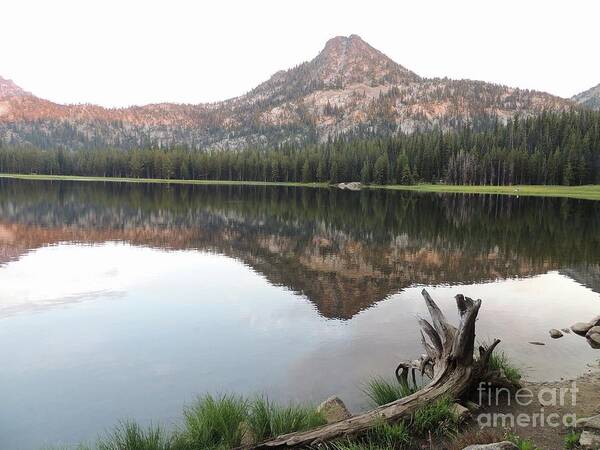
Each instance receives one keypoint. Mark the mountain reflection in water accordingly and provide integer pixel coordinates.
(343, 250)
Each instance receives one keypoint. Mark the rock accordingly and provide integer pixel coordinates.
(460, 412)
(504, 445)
(565, 330)
(472, 406)
(581, 328)
(595, 321)
(593, 330)
(593, 336)
(594, 340)
(589, 440)
(555, 334)
(536, 343)
(334, 410)
(248, 438)
(353, 186)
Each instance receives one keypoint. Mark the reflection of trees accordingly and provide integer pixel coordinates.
(343, 250)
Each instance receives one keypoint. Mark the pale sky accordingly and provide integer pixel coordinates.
(124, 52)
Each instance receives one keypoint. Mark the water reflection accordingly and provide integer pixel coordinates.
(344, 251)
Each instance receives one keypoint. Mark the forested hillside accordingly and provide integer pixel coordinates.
(552, 148)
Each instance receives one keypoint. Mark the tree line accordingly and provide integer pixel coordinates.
(551, 148)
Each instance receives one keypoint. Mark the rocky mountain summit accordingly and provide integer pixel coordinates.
(349, 87)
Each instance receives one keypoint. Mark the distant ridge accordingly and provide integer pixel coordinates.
(349, 87)
(589, 98)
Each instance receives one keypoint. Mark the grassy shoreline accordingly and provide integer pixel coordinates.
(587, 192)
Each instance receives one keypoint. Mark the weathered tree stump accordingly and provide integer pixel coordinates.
(449, 361)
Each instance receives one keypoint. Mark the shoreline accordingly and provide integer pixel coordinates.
(586, 403)
(586, 192)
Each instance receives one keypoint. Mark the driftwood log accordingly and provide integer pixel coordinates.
(449, 361)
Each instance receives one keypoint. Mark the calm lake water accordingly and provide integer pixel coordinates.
(128, 301)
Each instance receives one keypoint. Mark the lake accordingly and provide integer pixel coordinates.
(130, 300)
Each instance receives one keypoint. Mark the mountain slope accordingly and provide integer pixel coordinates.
(350, 87)
(589, 98)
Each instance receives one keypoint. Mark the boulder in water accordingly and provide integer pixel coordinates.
(581, 328)
(555, 334)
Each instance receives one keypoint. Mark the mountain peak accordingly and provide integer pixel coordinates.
(9, 89)
(349, 59)
(352, 40)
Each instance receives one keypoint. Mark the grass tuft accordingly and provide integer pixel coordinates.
(267, 419)
(382, 391)
(500, 361)
(390, 436)
(214, 423)
(572, 440)
(129, 435)
(435, 418)
(522, 443)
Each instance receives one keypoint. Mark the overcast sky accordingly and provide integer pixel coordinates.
(124, 52)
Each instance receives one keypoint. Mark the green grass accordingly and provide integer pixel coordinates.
(221, 422)
(499, 361)
(266, 419)
(383, 436)
(382, 391)
(388, 435)
(572, 440)
(214, 423)
(523, 444)
(588, 192)
(436, 418)
(131, 436)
